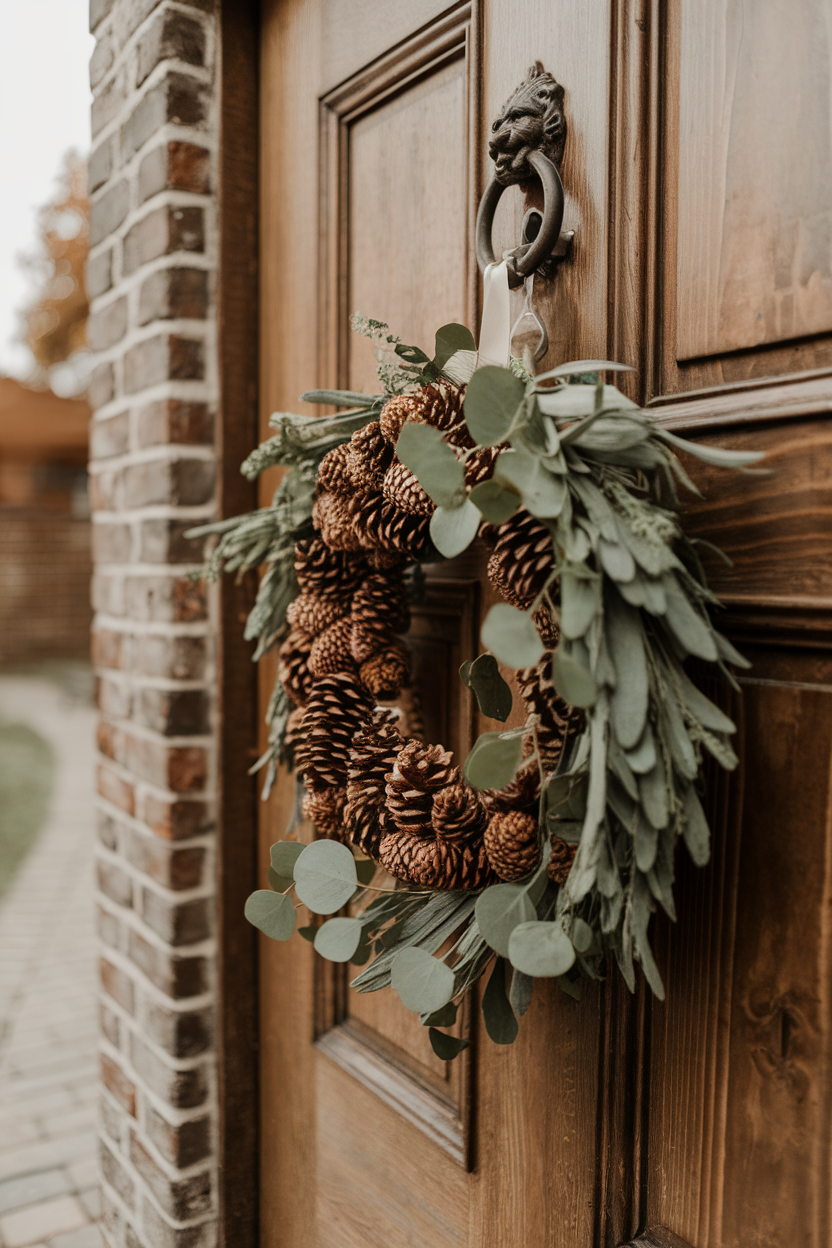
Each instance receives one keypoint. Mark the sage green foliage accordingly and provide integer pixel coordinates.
(27, 775)
(628, 591)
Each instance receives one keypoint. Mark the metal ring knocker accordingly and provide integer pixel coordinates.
(528, 256)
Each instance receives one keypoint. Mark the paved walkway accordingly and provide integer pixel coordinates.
(48, 1042)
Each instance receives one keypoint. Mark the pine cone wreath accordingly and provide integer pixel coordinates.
(512, 844)
(312, 613)
(418, 772)
(386, 672)
(368, 456)
(293, 666)
(522, 559)
(320, 570)
(372, 756)
(560, 863)
(459, 814)
(331, 649)
(435, 863)
(402, 490)
(337, 707)
(381, 602)
(325, 809)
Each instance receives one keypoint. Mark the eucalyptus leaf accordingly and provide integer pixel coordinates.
(273, 913)
(492, 693)
(284, 855)
(497, 1013)
(493, 761)
(496, 500)
(498, 911)
(541, 949)
(450, 339)
(581, 935)
(696, 831)
(543, 494)
(423, 982)
(580, 601)
(308, 933)
(520, 993)
(445, 1017)
(511, 635)
(491, 403)
(338, 939)
(365, 869)
(453, 529)
(325, 876)
(439, 472)
(446, 1047)
(278, 883)
(625, 639)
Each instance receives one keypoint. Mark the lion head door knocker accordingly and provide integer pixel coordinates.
(528, 139)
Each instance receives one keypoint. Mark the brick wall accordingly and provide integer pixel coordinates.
(152, 276)
(44, 586)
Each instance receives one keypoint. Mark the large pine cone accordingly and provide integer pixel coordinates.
(325, 809)
(512, 844)
(372, 756)
(438, 404)
(334, 473)
(323, 571)
(332, 516)
(459, 814)
(522, 560)
(381, 602)
(419, 771)
(401, 488)
(558, 720)
(378, 525)
(293, 666)
(521, 793)
(331, 649)
(560, 863)
(337, 707)
(435, 863)
(386, 672)
(395, 415)
(312, 613)
(369, 456)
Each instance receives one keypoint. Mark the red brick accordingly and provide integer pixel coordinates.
(172, 867)
(101, 386)
(111, 543)
(118, 1085)
(160, 1234)
(109, 437)
(108, 325)
(165, 599)
(175, 166)
(178, 98)
(171, 37)
(113, 698)
(177, 819)
(183, 482)
(116, 984)
(181, 1199)
(173, 712)
(114, 1173)
(183, 1144)
(182, 768)
(165, 357)
(116, 790)
(115, 883)
(106, 104)
(107, 648)
(182, 1033)
(181, 1089)
(111, 1118)
(177, 977)
(172, 420)
(161, 232)
(175, 658)
(177, 922)
(172, 293)
(164, 541)
(100, 273)
(107, 830)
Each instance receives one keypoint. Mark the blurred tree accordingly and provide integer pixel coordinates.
(54, 324)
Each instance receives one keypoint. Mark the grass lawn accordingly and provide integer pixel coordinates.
(27, 772)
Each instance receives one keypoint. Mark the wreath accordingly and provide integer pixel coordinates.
(554, 842)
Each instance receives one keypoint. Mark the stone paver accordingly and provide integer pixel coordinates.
(48, 1025)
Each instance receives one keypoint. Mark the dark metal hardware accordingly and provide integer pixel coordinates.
(528, 139)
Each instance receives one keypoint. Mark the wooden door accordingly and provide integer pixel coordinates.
(698, 171)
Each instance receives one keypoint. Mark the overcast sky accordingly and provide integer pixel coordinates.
(44, 110)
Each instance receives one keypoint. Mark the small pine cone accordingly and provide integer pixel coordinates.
(394, 415)
(334, 471)
(459, 814)
(369, 456)
(560, 863)
(366, 641)
(372, 755)
(440, 405)
(378, 525)
(547, 629)
(332, 517)
(522, 560)
(401, 488)
(480, 466)
(331, 649)
(386, 672)
(435, 863)
(512, 844)
(521, 793)
(558, 720)
(293, 666)
(312, 613)
(381, 602)
(418, 772)
(323, 571)
(325, 809)
(337, 707)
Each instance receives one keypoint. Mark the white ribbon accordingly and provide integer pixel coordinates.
(495, 331)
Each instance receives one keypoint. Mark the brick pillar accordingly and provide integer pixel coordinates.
(152, 275)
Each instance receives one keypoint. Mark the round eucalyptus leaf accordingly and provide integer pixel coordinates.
(493, 694)
(493, 762)
(542, 950)
(497, 1013)
(499, 910)
(446, 1017)
(272, 913)
(574, 682)
(511, 636)
(491, 402)
(496, 500)
(543, 494)
(423, 982)
(284, 855)
(337, 939)
(581, 935)
(453, 529)
(450, 339)
(440, 473)
(308, 933)
(446, 1047)
(278, 883)
(325, 876)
